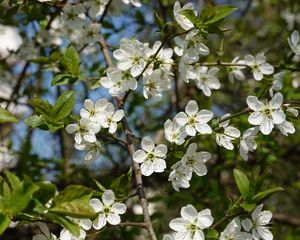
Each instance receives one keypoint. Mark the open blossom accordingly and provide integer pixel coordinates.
(180, 176)
(155, 83)
(294, 42)
(259, 66)
(110, 118)
(195, 161)
(7, 158)
(233, 231)
(182, 20)
(258, 224)
(206, 79)
(191, 223)
(247, 142)
(235, 72)
(73, 15)
(108, 210)
(45, 233)
(228, 134)
(84, 130)
(194, 120)
(266, 115)
(93, 150)
(132, 55)
(10, 40)
(118, 81)
(93, 111)
(277, 83)
(174, 132)
(151, 157)
(91, 33)
(164, 57)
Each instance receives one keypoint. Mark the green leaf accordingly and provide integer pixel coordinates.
(62, 79)
(6, 116)
(37, 121)
(71, 61)
(248, 207)
(16, 199)
(41, 106)
(73, 201)
(4, 222)
(261, 195)
(46, 191)
(117, 184)
(242, 183)
(211, 14)
(66, 223)
(159, 21)
(63, 106)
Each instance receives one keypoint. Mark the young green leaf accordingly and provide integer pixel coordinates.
(190, 15)
(261, 195)
(4, 222)
(62, 79)
(6, 116)
(242, 183)
(41, 106)
(71, 62)
(63, 106)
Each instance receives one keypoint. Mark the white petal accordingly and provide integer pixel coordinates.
(264, 233)
(181, 118)
(147, 168)
(100, 222)
(85, 223)
(119, 208)
(266, 126)
(203, 128)
(96, 204)
(204, 116)
(256, 118)
(191, 108)
(190, 130)
(278, 116)
(205, 219)
(276, 101)
(254, 103)
(108, 197)
(247, 224)
(266, 68)
(139, 156)
(159, 165)
(160, 150)
(189, 213)
(147, 144)
(178, 224)
(113, 219)
(200, 169)
(257, 74)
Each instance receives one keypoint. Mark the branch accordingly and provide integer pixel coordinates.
(134, 224)
(286, 219)
(131, 149)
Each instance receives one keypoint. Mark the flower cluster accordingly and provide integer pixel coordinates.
(94, 116)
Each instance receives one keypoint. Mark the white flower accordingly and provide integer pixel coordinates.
(258, 224)
(259, 66)
(93, 150)
(206, 80)
(294, 42)
(229, 134)
(45, 233)
(73, 15)
(85, 130)
(110, 118)
(194, 120)
(91, 33)
(10, 40)
(247, 142)
(235, 72)
(191, 223)
(182, 20)
(108, 210)
(132, 56)
(233, 231)
(277, 83)
(135, 3)
(93, 111)
(194, 161)
(118, 81)
(155, 83)
(163, 58)
(174, 132)
(152, 157)
(180, 176)
(266, 115)
(95, 7)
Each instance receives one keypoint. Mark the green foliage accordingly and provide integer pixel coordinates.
(242, 183)
(6, 116)
(51, 117)
(210, 18)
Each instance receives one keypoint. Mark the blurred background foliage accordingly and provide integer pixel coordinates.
(257, 26)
